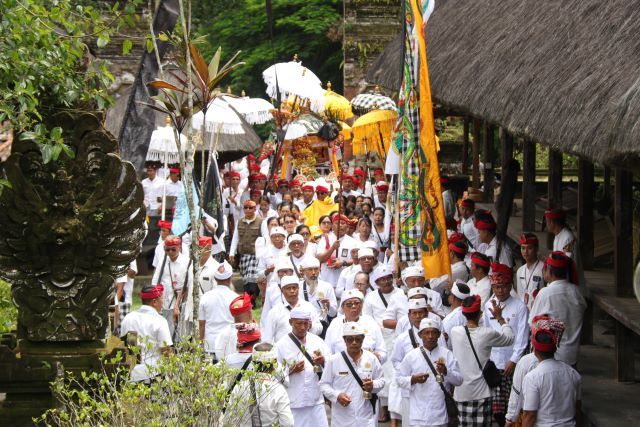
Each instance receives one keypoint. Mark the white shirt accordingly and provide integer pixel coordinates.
(480, 287)
(174, 188)
(528, 280)
(206, 281)
(229, 206)
(173, 278)
(323, 290)
(304, 387)
(505, 252)
(272, 297)
(374, 307)
(449, 203)
(214, 311)
(399, 305)
(470, 231)
(337, 378)
(346, 279)
(562, 300)
(552, 389)
(516, 398)
(474, 387)
(331, 275)
(272, 398)
(427, 400)
(515, 313)
(128, 283)
(158, 254)
(152, 190)
(454, 318)
(153, 334)
(564, 241)
(277, 324)
(459, 271)
(373, 340)
(269, 257)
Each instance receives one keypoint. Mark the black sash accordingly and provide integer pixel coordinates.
(412, 337)
(298, 344)
(384, 301)
(374, 396)
(295, 269)
(237, 379)
(450, 403)
(305, 292)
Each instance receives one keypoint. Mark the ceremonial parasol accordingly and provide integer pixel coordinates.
(366, 102)
(162, 146)
(336, 106)
(373, 131)
(256, 111)
(304, 125)
(292, 79)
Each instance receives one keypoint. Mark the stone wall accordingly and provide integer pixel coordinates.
(368, 27)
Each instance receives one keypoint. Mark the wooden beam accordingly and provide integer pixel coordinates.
(488, 158)
(475, 153)
(585, 212)
(623, 221)
(528, 185)
(625, 351)
(506, 139)
(586, 334)
(465, 146)
(554, 188)
(606, 183)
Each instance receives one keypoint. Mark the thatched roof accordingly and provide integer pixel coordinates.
(563, 73)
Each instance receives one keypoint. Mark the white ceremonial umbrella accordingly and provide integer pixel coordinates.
(294, 79)
(256, 111)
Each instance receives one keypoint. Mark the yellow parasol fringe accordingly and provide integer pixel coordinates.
(337, 106)
(375, 130)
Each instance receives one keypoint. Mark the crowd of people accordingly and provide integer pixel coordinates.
(346, 325)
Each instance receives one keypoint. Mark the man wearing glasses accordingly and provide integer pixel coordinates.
(243, 247)
(515, 313)
(174, 274)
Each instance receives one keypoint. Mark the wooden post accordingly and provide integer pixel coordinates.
(465, 146)
(623, 221)
(506, 139)
(585, 212)
(625, 338)
(554, 189)
(475, 152)
(606, 183)
(488, 158)
(528, 185)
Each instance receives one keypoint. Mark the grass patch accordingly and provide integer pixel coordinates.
(8, 311)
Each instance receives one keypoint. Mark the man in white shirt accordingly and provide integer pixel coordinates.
(425, 371)
(295, 243)
(352, 405)
(480, 284)
(345, 280)
(352, 312)
(213, 313)
(338, 239)
(459, 270)
(273, 294)
(159, 253)
(318, 292)
(124, 292)
(472, 346)
(552, 390)
(247, 231)
(303, 354)
(529, 278)
(244, 328)
(174, 274)
(467, 226)
(556, 223)
(515, 314)
(273, 252)
(380, 199)
(375, 304)
(308, 195)
(563, 301)
(459, 292)
(174, 185)
(154, 337)
(277, 324)
(488, 240)
(448, 198)
(208, 265)
(152, 187)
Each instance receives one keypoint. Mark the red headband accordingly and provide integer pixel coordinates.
(444, 180)
(174, 241)
(554, 214)
(245, 338)
(484, 225)
(479, 259)
(321, 189)
(174, 170)
(251, 157)
(205, 241)
(378, 172)
(241, 304)
(500, 274)
(382, 187)
(294, 182)
(307, 187)
(562, 262)
(260, 176)
(473, 308)
(553, 328)
(249, 202)
(461, 250)
(254, 167)
(359, 172)
(531, 240)
(234, 174)
(164, 225)
(340, 217)
(153, 293)
(256, 193)
(468, 203)
(347, 178)
(456, 237)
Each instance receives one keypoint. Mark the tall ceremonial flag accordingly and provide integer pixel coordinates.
(423, 233)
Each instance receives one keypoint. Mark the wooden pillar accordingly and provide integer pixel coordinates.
(585, 212)
(606, 183)
(625, 351)
(475, 153)
(554, 188)
(586, 334)
(528, 185)
(488, 157)
(623, 221)
(506, 140)
(465, 146)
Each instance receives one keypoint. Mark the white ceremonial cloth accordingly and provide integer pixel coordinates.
(564, 241)
(524, 366)
(214, 311)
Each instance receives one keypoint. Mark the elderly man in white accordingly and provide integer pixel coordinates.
(303, 355)
(350, 380)
(428, 372)
(273, 294)
(459, 291)
(318, 292)
(277, 324)
(375, 304)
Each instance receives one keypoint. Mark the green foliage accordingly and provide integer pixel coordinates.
(8, 311)
(44, 57)
(188, 391)
(309, 28)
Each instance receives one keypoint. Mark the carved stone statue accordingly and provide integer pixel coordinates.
(68, 228)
